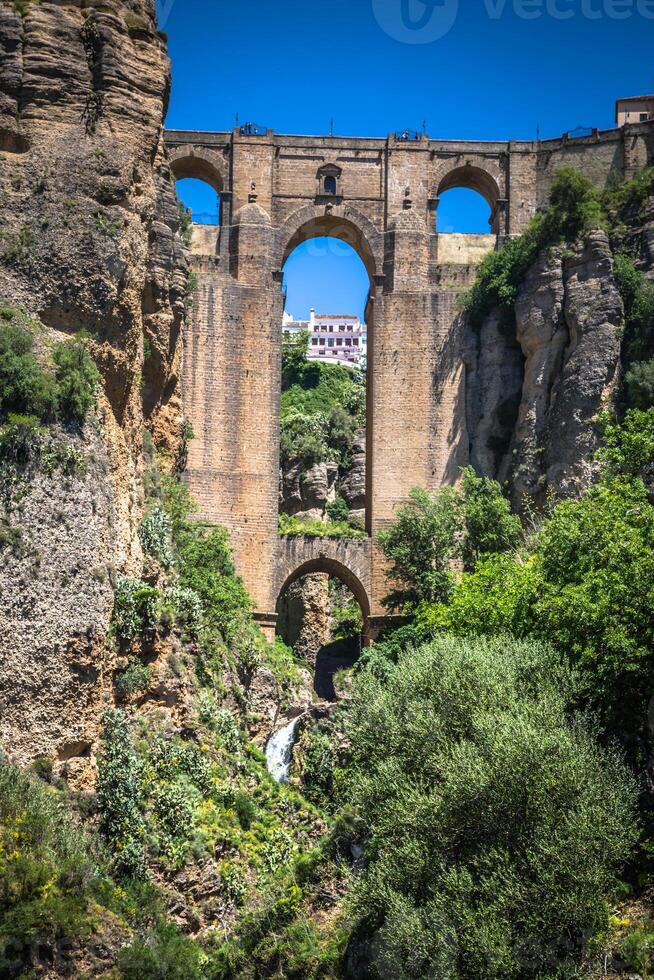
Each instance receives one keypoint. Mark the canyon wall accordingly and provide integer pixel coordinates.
(88, 243)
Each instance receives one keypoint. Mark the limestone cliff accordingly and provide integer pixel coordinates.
(88, 242)
(536, 387)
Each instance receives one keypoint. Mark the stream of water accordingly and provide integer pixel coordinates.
(279, 751)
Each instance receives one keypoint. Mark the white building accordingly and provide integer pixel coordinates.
(335, 338)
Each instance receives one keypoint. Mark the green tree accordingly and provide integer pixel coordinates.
(420, 547)
(495, 823)
(431, 531)
(489, 527)
(294, 357)
(639, 381)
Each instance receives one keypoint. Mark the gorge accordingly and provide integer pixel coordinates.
(245, 733)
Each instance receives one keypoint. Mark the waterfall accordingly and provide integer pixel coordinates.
(279, 750)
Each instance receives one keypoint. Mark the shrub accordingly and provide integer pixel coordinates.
(78, 380)
(296, 527)
(29, 387)
(338, 510)
(187, 606)
(155, 536)
(133, 679)
(136, 608)
(120, 795)
(161, 952)
(25, 388)
(21, 440)
(628, 447)
(595, 567)
(639, 381)
(47, 875)
(638, 297)
(574, 209)
(495, 823)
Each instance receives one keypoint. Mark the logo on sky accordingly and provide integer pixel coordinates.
(416, 21)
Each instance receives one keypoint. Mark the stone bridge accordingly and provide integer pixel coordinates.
(348, 559)
(381, 196)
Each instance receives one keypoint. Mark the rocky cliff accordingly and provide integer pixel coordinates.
(537, 382)
(88, 243)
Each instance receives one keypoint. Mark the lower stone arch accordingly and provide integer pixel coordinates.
(330, 566)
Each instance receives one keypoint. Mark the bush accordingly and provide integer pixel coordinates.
(27, 384)
(155, 536)
(47, 875)
(25, 388)
(161, 952)
(639, 381)
(433, 530)
(574, 209)
(638, 297)
(295, 527)
(495, 823)
(21, 440)
(78, 380)
(338, 510)
(133, 680)
(628, 447)
(120, 795)
(136, 608)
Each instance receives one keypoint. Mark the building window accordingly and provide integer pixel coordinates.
(330, 185)
(330, 342)
(644, 116)
(314, 342)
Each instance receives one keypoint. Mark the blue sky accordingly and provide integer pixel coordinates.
(483, 69)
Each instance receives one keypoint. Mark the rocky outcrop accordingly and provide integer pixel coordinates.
(305, 493)
(353, 485)
(89, 242)
(304, 616)
(535, 390)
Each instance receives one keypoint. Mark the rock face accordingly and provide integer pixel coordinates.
(305, 493)
(535, 393)
(89, 242)
(304, 621)
(353, 485)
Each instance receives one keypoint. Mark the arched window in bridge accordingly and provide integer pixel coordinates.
(330, 185)
(200, 200)
(463, 211)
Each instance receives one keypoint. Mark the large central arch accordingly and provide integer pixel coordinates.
(332, 221)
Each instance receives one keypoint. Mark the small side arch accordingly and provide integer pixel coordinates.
(198, 163)
(476, 178)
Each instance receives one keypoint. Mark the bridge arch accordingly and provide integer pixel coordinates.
(330, 566)
(479, 176)
(343, 222)
(348, 560)
(199, 164)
